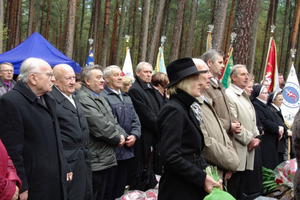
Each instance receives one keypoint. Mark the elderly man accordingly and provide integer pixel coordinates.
(74, 132)
(122, 108)
(30, 132)
(105, 133)
(6, 77)
(249, 138)
(147, 102)
(216, 92)
(218, 150)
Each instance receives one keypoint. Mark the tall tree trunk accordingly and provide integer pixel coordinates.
(95, 36)
(202, 45)
(105, 33)
(80, 33)
(37, 14)
(165, 24)
(266, 40)
(243, 25)
(76, 33)
(177, 31)
(134, 28)
(11, 25)
(144, 33)
(30, 18)
(297, 53)
(47, 29)
(1, 26)
(219, 23)
(229, 30)
(112, 59)
(253, 39)
(155, 36)
(121, 33)
(42, 19)
(18, 20)
(61, 27)
(70, 27)
(191, 32)
(294, 32)
(283, 40)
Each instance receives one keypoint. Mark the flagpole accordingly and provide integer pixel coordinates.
(127, 37)
(209, 37)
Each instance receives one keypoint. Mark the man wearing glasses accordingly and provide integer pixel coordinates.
(31, 134)
(6, 81)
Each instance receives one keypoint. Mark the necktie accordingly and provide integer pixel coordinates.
(8, 87)
(197, 111)
(120, 95)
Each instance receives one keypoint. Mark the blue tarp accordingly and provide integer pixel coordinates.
(37, 46)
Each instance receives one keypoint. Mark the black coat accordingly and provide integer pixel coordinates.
(30, 132)
(269, 143)
(181, 144)
(147, 102)
(75, 138)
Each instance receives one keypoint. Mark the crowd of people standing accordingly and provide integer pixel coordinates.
(87, 142)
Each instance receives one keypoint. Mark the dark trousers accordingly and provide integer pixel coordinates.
(235, 185)
(99, 184)
(117, 178)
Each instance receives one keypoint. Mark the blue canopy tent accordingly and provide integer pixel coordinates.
(37, 46)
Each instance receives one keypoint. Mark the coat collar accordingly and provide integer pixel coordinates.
(186, 99)
(143, 85)
(61, 99)
(25, 91)
(235, 89)
(108, 91)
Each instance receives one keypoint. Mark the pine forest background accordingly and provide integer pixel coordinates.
(68, 24)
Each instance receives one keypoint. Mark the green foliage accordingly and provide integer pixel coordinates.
(269, 182)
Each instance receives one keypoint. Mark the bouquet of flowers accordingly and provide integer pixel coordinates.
(285, 172)
(216, 194)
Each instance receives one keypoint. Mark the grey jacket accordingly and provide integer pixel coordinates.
(3, 87)
(104, 130)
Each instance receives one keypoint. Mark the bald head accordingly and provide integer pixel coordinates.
(65, 78)
(205, 74)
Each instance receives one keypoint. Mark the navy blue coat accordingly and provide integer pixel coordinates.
(127, 118)
(30, 132)
(181, 146)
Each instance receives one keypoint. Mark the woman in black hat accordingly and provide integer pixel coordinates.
(272, 131)
(181, 137)
(274, 101)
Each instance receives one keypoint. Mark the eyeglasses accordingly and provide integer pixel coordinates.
(48, 74)
(7, 70)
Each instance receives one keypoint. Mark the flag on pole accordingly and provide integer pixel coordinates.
(271, 71)
(127, 67)
(160, 62)
(208, 41)
(90, 59)
(225, 74)
(291, 101)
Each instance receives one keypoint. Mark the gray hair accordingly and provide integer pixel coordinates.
(86, 71)
(140, 65)
(235, 68)
(212, 55)
(6, 63)
(107, 70)
(28, 66)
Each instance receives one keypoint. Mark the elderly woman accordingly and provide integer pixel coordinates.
(274, 101)
(266, 121)
(181, 137)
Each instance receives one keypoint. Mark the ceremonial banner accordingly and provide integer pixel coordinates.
(127, 67)
(291, 101)
(225, 75)
(90, 59)
(271, 72)
(160, 62)
(208, 41)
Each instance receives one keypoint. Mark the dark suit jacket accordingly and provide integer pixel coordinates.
(181, 144)
(30, 132)
(75, 138)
